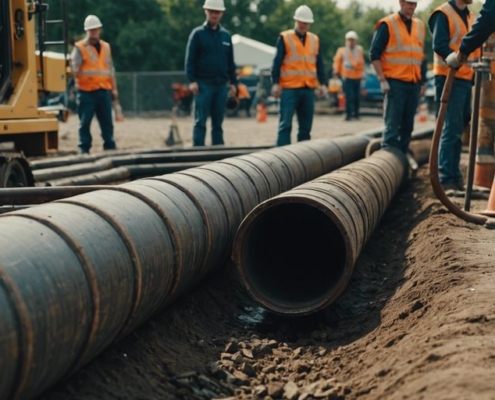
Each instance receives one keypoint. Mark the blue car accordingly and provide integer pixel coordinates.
(371, 93)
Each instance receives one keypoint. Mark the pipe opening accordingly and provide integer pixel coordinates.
(293, 257)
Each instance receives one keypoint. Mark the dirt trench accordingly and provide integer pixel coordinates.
(416, 322)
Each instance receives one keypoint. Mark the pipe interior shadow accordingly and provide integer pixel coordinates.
(293, 255)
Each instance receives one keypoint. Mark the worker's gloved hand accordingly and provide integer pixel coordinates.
(234, 91)
(276, 91)
(385, 87)
(455, 60)
(194, 88)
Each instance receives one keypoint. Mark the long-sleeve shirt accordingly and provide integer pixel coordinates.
(279, 58)
(380, 42)
(210, 56)
(482, 29)
(439, 27)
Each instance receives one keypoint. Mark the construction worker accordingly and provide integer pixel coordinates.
(92, 66)
(210, 68)
(244, 99)
(348, 65)
(449, 23)
(482, 29)
(296, 72)
(397, 54)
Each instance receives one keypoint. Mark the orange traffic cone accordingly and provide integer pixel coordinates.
(422, 115)
(261, 114)
(490, 209)
(341, 105)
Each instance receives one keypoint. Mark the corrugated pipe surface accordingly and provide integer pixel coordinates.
(295, 252)
(83, 272)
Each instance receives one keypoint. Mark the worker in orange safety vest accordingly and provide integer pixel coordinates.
(397, 54)
(449, 23)
(348, 65)
(92, 65)
(297, 72)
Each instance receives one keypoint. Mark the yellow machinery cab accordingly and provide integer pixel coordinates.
(23, 77)
(27, 73)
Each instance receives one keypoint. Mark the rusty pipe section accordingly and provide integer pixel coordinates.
(295, 252)
(485, 154)
(80, 273)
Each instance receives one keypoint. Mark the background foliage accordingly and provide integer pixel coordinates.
(151, 35)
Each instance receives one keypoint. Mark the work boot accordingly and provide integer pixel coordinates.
(450, 189)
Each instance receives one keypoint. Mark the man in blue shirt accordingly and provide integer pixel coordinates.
(210, 68)
(482, 29)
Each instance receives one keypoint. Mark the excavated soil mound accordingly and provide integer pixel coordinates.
(416, 322)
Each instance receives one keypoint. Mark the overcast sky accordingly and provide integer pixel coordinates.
(386, 4)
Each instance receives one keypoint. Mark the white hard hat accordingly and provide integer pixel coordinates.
(215, 5)
(304, 14)
(351, 35)
(92, 22)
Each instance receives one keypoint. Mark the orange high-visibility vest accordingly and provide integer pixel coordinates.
(299, 65)
(458, 30)
(404, 53)
(96, 69)
(349, 63)
(243, 92)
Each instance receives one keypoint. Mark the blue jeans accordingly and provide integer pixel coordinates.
(302, 101)
(458, 114)
(97, 102)
(400, 109)
(210, 101)
(352, 91)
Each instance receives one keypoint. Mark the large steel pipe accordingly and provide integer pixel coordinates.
(295, 252)
(80, 273)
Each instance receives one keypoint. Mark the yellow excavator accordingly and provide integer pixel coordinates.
(28, 73)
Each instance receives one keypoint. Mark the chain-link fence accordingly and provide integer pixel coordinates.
(148, 93)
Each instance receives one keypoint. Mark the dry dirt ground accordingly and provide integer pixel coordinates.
(417, 320)
(144, 133)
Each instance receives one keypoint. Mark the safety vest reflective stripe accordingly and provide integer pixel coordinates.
(96, 72)
(404, 54)
(457, 30)
(404, 62)
(297, 73)
(299, 64)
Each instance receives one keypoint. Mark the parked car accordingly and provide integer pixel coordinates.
(371, 93)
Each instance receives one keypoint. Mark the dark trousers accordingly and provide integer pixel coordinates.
(210, 101)
(97, 102)
(458, 113)
(400, 109)
(301, 101)
(352, 91)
